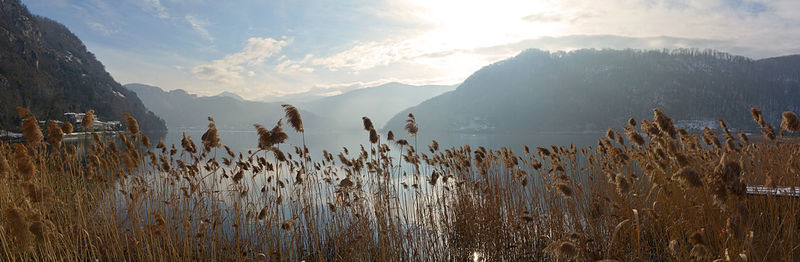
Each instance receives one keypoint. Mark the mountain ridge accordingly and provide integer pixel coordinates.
(379, 103)
(47, 69)
(341, 112)
(590, 90)
(183, 110)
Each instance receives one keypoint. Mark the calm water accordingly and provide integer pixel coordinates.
(242, 141)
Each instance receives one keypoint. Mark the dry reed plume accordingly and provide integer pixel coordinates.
(30, 128)
(210, 138)
(88, 120)
(67, 128)
(367, 123)
(54, 134)
(790, 122)
(411, 125)
(293, 117)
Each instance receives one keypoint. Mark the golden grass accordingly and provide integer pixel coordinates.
(663, 198)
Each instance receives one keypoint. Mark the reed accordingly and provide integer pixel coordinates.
(668, 198)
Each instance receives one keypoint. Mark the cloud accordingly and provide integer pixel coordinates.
(290, 66)
(332, 93)
(100, 28)
(544, 18)
(430, 42)
(219, 73)
(413, 60)
(230, 70)
(199, 26)
(573, 42)
(474, 24)
(156, 8)
(450, 45)
(364, 56)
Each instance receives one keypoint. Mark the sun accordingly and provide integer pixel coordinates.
(470, 24)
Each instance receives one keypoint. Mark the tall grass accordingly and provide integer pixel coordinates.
(655, 193)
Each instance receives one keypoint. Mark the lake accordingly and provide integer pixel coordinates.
(242, 141)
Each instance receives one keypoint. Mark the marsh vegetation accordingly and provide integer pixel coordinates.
(647, 191)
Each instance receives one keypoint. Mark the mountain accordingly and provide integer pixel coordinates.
(379, 103)
(590, 90)
(183, 110)
(231, 95)
(46, 68)
(312, 94)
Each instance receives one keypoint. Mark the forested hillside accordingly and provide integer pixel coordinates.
(590, 90)
(46, 68)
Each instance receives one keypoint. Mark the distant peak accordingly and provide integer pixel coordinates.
(391, 84)
(231, 95)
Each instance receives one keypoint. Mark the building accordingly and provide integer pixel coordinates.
(77, 118)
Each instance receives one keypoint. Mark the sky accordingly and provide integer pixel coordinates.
(262, 49)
